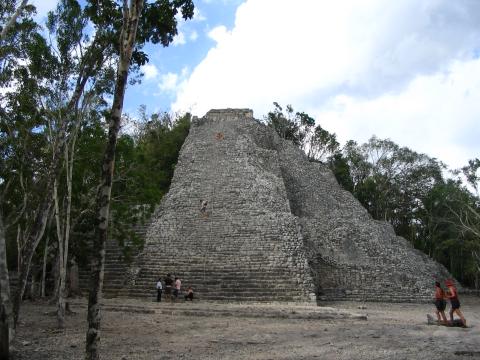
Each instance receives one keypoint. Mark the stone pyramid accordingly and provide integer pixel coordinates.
(274, 226)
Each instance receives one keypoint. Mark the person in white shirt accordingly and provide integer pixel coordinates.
(159, 290)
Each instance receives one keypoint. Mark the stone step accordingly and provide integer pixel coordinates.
(264, 279)
(224, 296)
(215, 271)
(194, 265)
(263, 260)
(217, 283)
(226, 286)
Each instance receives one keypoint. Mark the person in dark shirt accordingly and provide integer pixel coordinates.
(189, 294)
(159, 290)
(168, 287)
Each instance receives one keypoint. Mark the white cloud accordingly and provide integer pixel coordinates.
(184, 73)
(219, 34)
(373, 66)
(436, 114)
(150, 71)
(179, 39)
(224, 2)
(169, 82)
(198, 15)
(193, 36)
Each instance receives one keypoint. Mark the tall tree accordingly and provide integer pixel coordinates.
(18, 40)
(322, 145)
(78, 60)
(472, 175)
(290, 125)
(158, 24)
(299, 127)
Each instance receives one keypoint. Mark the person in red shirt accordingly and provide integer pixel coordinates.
(440, 303)
(454, 302)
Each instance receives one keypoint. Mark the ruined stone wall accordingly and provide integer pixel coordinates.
(276, 227)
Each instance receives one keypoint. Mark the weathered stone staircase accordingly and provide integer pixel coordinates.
(115, 265)
(221, 269)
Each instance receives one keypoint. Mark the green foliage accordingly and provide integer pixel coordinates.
(145, 162)
(322, 145)
(25, 63)
(288, 126)
(144, 170)
(472, 174)
(158, 24)
(341, 169)
(13, 51)
(66, 78)
(299, 127)
(144, 165)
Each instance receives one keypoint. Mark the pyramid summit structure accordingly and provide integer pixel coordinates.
(249, 217)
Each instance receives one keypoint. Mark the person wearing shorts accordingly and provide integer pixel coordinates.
(452, 295)
(440, 303)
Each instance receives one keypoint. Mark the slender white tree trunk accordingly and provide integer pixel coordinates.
(64, 231)
(19, 247)
(131, 16)
(29, 247)
(44, 267)
(61, 264)
(5, 298)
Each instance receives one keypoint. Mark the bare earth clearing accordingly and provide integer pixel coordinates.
(134, 329)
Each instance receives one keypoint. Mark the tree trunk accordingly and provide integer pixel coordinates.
(127, 39)
(56, 281)
(29, 247)
(61, 263)
(74, 285)
(19, 247)
(44, 266)
(33, 284)
(5, 281)
(64, 231)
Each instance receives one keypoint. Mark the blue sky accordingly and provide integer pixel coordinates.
(169, 66)
(406, 70)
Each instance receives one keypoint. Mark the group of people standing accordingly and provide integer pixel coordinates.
(172, 286)
(440, 303)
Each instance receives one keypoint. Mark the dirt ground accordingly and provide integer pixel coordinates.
(135, 329)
